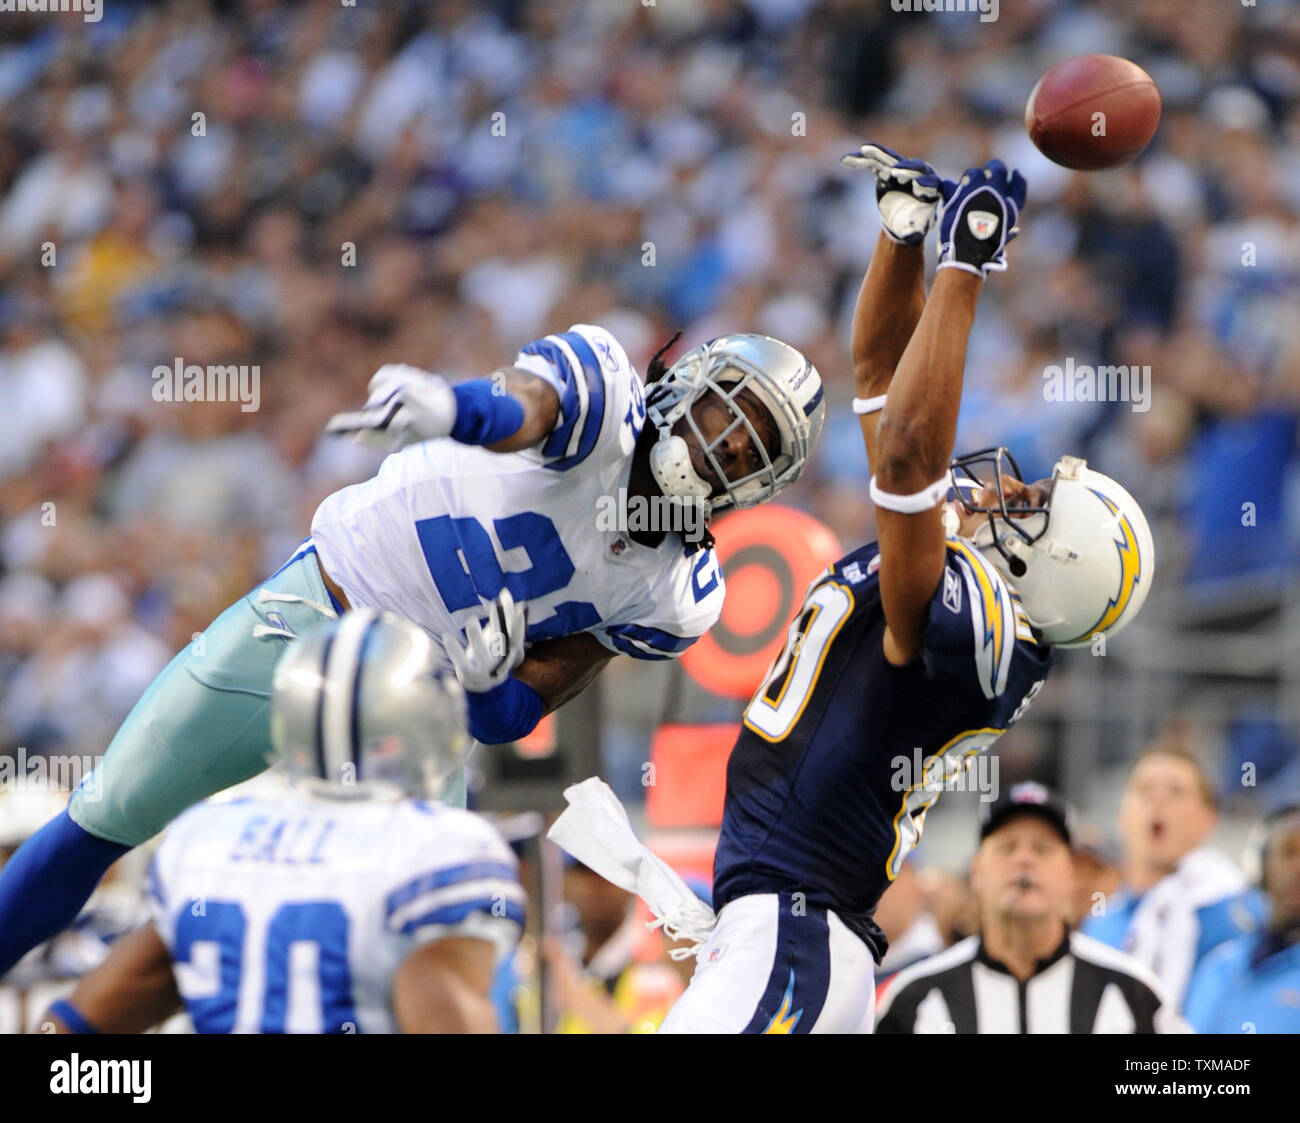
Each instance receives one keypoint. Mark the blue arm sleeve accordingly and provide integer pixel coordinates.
(505, 713)
(484, 417)
(71, 1017)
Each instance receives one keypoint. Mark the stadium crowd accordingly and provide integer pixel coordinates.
(311, 190)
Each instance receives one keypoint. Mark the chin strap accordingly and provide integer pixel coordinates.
(670, 464)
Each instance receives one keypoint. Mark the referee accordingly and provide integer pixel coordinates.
(1027, 972)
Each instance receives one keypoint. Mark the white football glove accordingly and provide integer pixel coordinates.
(405, 405)
(907, 191)
(490, 653)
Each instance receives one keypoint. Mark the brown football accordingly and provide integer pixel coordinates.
(1093, 111)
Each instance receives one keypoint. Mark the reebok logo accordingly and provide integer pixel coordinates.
(951, 591)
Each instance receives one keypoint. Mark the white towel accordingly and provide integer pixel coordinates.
(595, 829)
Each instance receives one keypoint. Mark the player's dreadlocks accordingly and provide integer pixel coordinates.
(658, 368)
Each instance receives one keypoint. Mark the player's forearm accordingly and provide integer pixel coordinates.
(560, 669)
(919, 422)
(889, 306)
(133, 990)
(536, 400)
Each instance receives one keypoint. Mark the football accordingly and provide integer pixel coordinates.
(1092, 112)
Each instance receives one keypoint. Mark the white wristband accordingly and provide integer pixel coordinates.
(913, 504)
(964, 266)
(869, 405)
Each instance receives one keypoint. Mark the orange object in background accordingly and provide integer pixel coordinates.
(540, 742)
(769, 555)
(689, 774)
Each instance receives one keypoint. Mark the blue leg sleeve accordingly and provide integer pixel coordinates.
(46, 883)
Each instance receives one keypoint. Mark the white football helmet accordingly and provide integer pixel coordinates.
(1082, 564)
(366, 706)
(778, 375)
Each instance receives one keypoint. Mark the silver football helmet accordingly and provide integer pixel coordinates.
(366, 706)
(1082, 563)
(780, 377)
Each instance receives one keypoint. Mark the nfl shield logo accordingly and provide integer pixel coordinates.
(982, 224)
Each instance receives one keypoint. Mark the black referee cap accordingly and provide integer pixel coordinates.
(1027, 798)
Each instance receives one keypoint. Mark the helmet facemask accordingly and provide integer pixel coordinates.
(1010, 527)
(1081, 563)
(726, 374)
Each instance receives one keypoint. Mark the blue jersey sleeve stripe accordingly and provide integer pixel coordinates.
(454, 914)
(595, 416)
(592, 417)
(654, 638)
(558, 441)
(582, 404)
(449, 875)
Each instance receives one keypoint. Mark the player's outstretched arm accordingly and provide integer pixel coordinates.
(507, 411)
(918, 424)
(889, 307)
(893, 291)
(133, 990)
(442, 987)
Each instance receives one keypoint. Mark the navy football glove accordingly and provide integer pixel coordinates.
(907, 191)
(978, 217)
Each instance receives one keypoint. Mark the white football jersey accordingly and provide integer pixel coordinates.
(293, 915)
(444, 526)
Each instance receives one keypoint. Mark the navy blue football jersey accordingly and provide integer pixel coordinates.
(824, 793)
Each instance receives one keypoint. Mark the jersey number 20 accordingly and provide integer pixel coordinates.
(209, 953)
(780, 701)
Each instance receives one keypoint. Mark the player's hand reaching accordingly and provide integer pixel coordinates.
(907, 191)
(405, 405)
(978, 217)
(491, 652)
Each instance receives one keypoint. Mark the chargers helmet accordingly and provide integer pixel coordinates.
(780, 377)
(1081, 564)
(366, 706)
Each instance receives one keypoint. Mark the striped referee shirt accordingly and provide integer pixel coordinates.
(1082, 987)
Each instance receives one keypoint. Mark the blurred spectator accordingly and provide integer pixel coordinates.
(587, 972)
(949, 900)
(913, 932)
(1027, 972)
(1179, 898)
(50, 970)
(1096, 873)
(631, 982)
(1252, 984)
